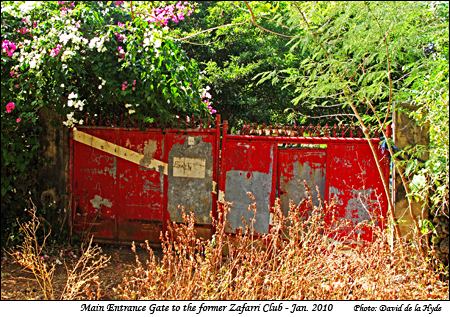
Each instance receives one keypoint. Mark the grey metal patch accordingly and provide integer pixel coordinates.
(238, 183)
(358, 207)
(190, 180)
(295, 189)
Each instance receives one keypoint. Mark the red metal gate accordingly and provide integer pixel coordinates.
(127, 183)
(338, 169)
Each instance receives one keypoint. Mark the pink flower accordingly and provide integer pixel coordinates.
(10, 107)
(35, 24)
(134, 85)
(118, 3)
(8, 47)
(119, 37)
(55, 51)
(121, 53)
(12, 73)
(124, 85)
(23, 30)
(18, 120)
(120, 24)
(174, 13)
(212, 110)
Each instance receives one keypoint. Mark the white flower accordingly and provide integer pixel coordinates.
(79, 104)
(27, 6)
(128, 105)
(70, 120)
(81, 121)
(131, 111)
(62, 85)
(70, 103)
(64, 38)
(157, 43)
(66, 55)
(73, 95)
(32, 63)
(93, 42)
(100, 87)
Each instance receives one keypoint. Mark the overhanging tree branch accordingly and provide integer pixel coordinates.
(208, 30)
(253, 20)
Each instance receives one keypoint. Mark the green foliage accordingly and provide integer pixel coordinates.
(376, 56)
(85, 58)
(234, 51)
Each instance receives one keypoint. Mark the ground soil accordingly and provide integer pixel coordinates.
(18, 284)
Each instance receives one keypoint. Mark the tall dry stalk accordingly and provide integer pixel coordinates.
(82, 280)
(29, 254)
(303, 256)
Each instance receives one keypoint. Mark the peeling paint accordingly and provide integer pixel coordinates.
(189, 183)
(336, 195)
(294, 188)
(150, 186)
(150, 147)
(237, 186)
(297, 166)
(359, 205)
(98, 201)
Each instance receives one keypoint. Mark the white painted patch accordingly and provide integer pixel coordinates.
(189, 167)
(191, 140)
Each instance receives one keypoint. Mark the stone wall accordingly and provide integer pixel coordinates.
(407, 133)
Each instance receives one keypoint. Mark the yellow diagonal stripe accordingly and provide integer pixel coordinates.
(117, 150)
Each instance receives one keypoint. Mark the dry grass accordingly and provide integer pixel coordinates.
(82, 280)
(296, 261)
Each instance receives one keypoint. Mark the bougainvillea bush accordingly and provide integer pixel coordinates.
(81, 59)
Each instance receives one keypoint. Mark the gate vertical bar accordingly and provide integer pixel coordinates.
(165, 211)
(216, 173)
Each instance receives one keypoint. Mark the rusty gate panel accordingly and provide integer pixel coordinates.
(297, 166)
(140, 187)
(355, 187)
(94, 187)
(192, 177)
(247, 166)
